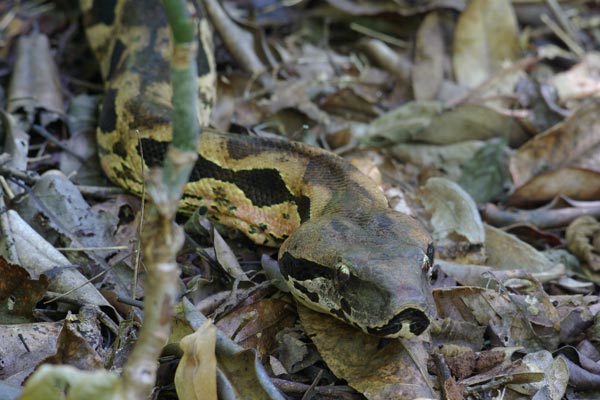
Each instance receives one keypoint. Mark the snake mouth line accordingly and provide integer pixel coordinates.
(416, 319)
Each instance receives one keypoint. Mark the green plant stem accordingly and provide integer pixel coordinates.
(162, 238)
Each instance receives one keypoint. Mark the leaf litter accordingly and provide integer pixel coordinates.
(490, 108)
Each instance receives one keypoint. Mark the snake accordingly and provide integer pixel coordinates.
(342, 250)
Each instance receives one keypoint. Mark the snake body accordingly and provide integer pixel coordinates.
(342, 250)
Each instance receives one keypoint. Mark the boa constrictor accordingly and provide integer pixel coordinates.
(342, 250)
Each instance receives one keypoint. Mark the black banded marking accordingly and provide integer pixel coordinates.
(417, 323)
(302, 270)
(108, 116)
(263, 187)
(202, 63)
(314, 297)
(119, 149)
(115, 64)
(103, 11)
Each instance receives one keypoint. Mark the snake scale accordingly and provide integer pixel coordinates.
(343, 251)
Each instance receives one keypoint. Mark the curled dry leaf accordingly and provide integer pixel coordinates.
(582, 364)
(575, 142)
(396, 369)
(583, 239)
(39, 257)
(196, 375)
(457, 227)
(255, 325)
(486, 37)
(35, 85)
(226, 258)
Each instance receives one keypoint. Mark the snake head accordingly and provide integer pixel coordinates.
(369, 269)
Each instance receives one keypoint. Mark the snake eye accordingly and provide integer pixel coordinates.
(428, 262)
(342, 273)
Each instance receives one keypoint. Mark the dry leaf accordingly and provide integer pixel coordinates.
(196, 375)
(575, 142)
(486, 37)
(18, 292)
(39, 257)
(255, 326)
(227, 258)
(396, 369)
(576, 183)
(506, 251)
(19, 361)
(80, 342)
(428, 71)
(35, 84)
(529, 320)
(453, 211)
(556, 376)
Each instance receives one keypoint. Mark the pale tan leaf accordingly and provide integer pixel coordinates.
(506, 251)
(35, 84)
(576, 183)
(428, 70)
(196, 375)
(486, 37)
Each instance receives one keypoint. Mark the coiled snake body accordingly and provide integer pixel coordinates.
(342, 250)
